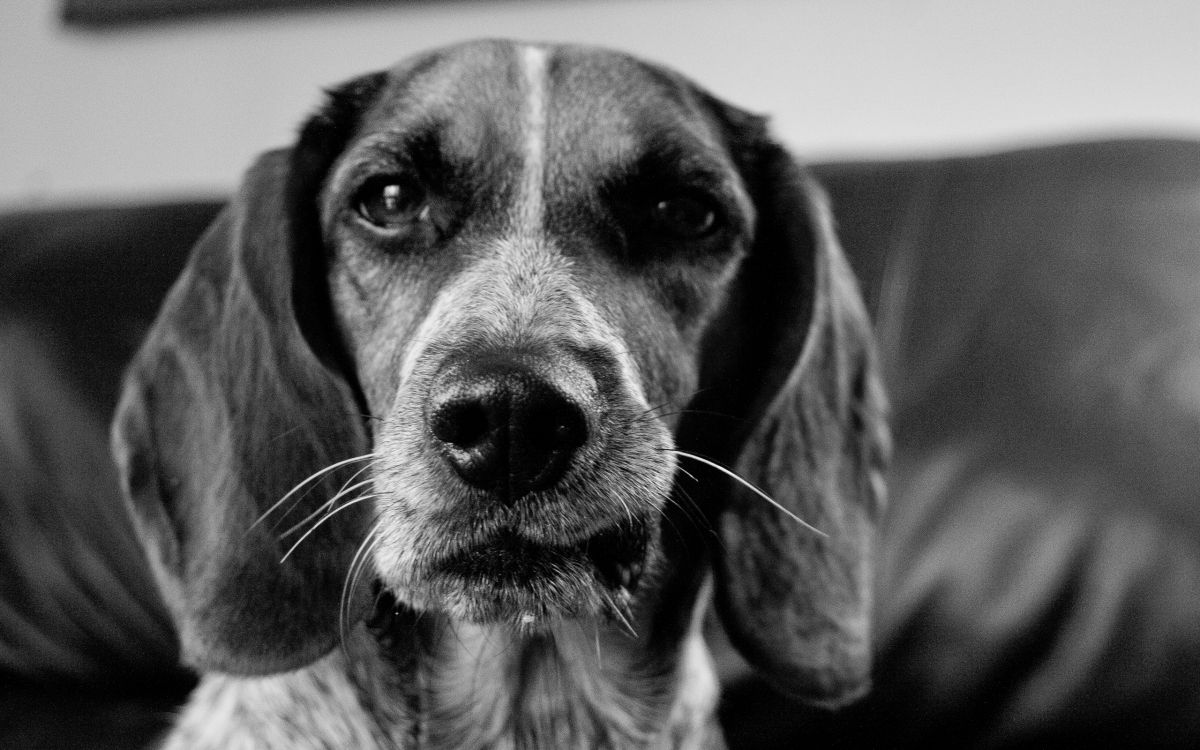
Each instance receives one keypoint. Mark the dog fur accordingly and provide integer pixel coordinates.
(578, 223)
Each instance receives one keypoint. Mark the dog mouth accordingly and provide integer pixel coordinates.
(509, 578)
(619, 556)
(615, 556)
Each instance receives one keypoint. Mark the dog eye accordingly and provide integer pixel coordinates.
(391, 202)
(687, 216)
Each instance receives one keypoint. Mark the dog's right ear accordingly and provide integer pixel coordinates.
(237, 397)
(791, 357)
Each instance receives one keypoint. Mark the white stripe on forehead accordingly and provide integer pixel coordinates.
(531, 201)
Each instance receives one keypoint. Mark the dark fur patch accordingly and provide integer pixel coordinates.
(322, 138)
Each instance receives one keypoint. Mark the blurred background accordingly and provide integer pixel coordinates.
(178, 107)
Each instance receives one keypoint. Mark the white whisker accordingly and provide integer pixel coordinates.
(356, 563)
(318, 524)
(325, 506)
(350, 479)
(750, 486)
(665, 516)
(628, 510)
(315, 475)
(687, 473)
(599, 656)
(621, 616)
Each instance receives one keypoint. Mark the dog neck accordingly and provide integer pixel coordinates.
(578, 684)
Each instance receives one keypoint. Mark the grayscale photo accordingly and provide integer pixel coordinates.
(623, 374)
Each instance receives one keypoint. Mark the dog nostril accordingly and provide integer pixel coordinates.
(555, 425)
(463, 424)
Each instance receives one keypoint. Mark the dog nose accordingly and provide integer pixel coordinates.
(504, 429)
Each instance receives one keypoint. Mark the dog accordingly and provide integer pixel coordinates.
(472, 401)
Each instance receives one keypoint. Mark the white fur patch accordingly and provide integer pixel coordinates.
(349, 698)
(580, 687)
(531, 204)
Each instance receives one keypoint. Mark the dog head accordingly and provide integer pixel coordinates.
(460, 339)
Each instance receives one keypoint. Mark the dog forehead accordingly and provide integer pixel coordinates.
(608, 108)
(593, 106)
(460, 89)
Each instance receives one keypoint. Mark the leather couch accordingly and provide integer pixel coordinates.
(1039, 577)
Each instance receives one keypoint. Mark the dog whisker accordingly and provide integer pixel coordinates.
(628, 510)
(651, 410)
(691, 511)
(703, 529)
(318, 524)
(687, 473)
(596, 637)
(667, 518)
(622, 617)
(701, 412)
(344, 488)
(352, 573)
(326, 506)
(750, 486)
(306, 481)
(661, 411)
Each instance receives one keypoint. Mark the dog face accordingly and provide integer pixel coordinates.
(518, 283)
(522, 271)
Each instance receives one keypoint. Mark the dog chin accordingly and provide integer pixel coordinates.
(531, 586)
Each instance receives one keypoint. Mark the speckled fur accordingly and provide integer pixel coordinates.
(306, 335)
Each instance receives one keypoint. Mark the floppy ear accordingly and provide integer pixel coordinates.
(796, 603)
(225, 409)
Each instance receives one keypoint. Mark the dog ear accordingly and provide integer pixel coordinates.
(228, 406)
(797, 603)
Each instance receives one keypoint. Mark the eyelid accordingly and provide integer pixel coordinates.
(727, 199)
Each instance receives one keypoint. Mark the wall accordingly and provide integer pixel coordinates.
(173, 109)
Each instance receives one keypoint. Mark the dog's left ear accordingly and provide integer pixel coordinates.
(813, 436)
(236, 397)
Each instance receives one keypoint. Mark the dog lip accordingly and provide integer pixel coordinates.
(617, 553)
(506, 557)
